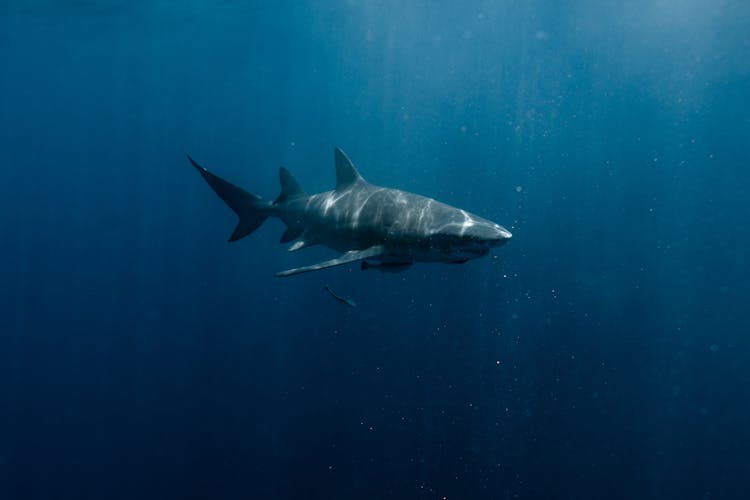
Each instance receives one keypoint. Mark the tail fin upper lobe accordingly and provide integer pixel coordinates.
(251, 209)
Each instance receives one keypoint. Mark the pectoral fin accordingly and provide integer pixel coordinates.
(351, 256)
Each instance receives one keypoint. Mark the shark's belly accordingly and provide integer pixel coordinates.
(401, 246)
(345, 235)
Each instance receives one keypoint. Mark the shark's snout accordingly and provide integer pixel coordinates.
(501, 236)
(490, 233)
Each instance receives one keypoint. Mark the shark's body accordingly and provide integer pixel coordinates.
(363, 221)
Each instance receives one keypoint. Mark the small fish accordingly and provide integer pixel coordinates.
(343, 300)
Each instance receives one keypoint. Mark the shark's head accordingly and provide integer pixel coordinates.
(473, 238)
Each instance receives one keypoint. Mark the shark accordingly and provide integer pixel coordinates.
(382, 228)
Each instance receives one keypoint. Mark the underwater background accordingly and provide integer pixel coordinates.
(602, 353)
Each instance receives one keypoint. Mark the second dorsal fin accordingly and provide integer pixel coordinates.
(290, 188)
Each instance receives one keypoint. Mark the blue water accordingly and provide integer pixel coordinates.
(602, 353)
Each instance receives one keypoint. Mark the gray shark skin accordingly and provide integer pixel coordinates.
(364, 222)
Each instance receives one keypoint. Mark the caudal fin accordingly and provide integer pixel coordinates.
(251, 209)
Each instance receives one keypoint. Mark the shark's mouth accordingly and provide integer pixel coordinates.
(434, 254)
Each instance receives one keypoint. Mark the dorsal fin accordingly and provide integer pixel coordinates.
(290, 188)
(346, 174)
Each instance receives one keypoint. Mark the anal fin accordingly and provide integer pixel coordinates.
(346, 258)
